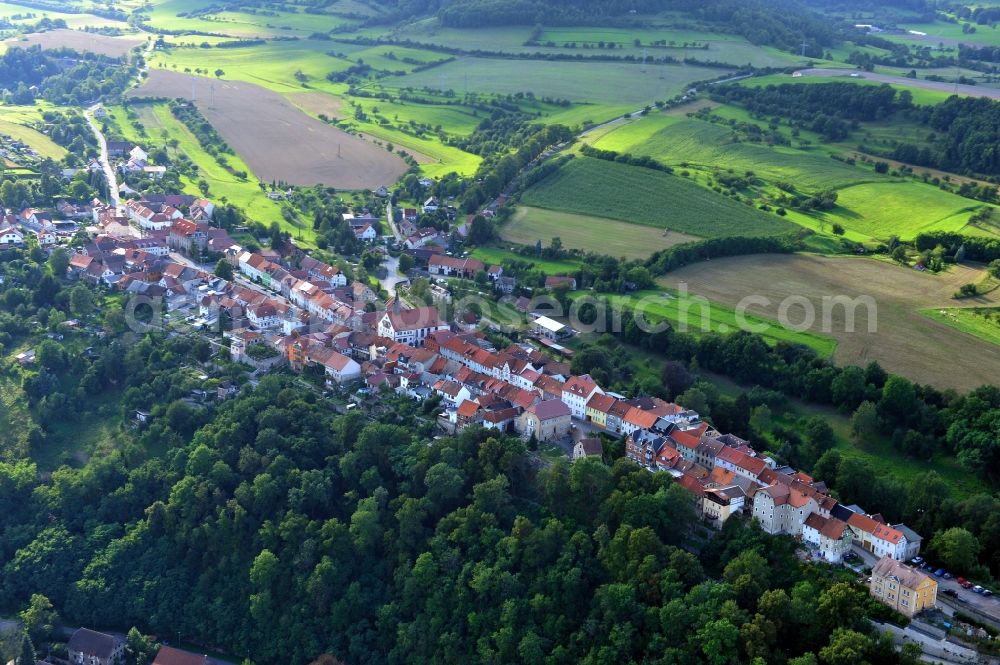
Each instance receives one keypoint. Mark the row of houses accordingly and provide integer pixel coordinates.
(728, 477)
(90, 647)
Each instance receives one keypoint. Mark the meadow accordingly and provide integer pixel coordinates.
(904, 340)
(982, 323)
(15, 122)
(80, 20)
(688, 312)
(497, 255)
(612, 83)
(594, 234)
(78, 40)
(637, 195)
(171, 15)
(904, 209)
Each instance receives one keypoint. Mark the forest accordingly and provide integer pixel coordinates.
(61, 76)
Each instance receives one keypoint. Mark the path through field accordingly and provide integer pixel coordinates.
(277, 140)
(905, 341)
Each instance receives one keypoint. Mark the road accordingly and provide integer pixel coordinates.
(109, 172)
(940, 86)
(935, 651)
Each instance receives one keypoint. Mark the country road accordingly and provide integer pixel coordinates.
(109, 172)
(940, 86)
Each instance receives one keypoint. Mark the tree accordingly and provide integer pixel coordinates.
(139, 648)
(749, 575)
(899, 401)
(899, 255)
(406, 263)
(820, 434)
(675, 378)
(27, 656)
(39, 618)
(841, 604)
(957, 548)
(58, 262)
(81, 302)
(694, 399)
(224, 270)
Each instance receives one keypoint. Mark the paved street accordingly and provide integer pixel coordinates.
(109, 172)
(935, 651)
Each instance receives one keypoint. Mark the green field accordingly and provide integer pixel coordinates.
(696, 315)
(167, 16)
(595, 234)
(15, 121)
(8, 9)
(983, 323)
(637, 195)
(921, 96)
(496, 256)
(674, 140)
(610, 83)
(904, 209)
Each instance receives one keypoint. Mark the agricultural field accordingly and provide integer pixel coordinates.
(983, 323)
(276, 139)
(689, 312)
(78, 40)
(593, 234)
(905, 341)
(904, 209)
(156, 120)
(173, 15)
(605, 83)
(73, 20)
(643, 196)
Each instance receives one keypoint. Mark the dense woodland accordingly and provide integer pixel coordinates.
(62, 76)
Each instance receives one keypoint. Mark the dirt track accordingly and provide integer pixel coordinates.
(958, 89)
(905, 342)
(277, 140)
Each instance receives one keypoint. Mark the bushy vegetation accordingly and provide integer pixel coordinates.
(61, 76)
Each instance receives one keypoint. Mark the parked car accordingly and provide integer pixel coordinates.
(917, 560)
(966, 584)
(961, 580)
(977, 589)
(951, 592)
(939, 572)
(947, 576)
(987, 593)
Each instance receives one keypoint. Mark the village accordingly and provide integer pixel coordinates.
(286, 309)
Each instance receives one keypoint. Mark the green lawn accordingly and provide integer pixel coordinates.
(653, 198)
(981, 322)
(496, 256)
(697, 315)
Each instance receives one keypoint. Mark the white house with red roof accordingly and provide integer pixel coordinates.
(577, 392)
(410, 326)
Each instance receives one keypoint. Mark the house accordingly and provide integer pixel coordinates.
(11, 236)
(186, 235)
(589, 447)
(46, 238)
(907, 590)
(558, 281)
(88, 647)
(878, 538)
(449, 266)
(431, 205)
(577, 392)
(545, 420)
(501, 419)
(365, 233)
(597, 409)
(172, 656)
(720, 503)
(913, 540)
(410, 326)
(544, 327)
(339, 368)
(830, 536)
(782, 509)
(468, 413)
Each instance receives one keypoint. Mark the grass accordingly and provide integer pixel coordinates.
(694, 314)
(983, 323)
(496, 256)
(904, 209)
(8, 9)
(575, 81)
(166, 15)
(38, 142)
(594, 234)
(652, 198)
